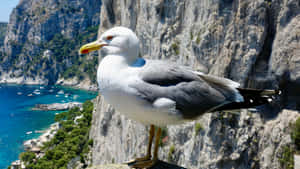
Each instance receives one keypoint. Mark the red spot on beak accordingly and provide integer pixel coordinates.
(85, 51)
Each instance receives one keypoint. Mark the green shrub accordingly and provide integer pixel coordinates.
(88, 107)
(91, 142)
(296, 134)
(171, 152)
(198, 40)
(198, 128)
(70, 141)
(164, 133)
(27, 157)
(287, 158)
(175, 47)
(191, 35)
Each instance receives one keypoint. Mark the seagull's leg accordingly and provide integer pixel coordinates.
(155, 155)
(151, 135)
(148, 155)
(151, 162)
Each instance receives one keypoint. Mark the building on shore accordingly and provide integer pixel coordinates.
(18, 164)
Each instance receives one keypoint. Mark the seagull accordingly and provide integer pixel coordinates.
(159, 93)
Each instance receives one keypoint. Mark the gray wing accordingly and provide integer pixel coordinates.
(194, 93)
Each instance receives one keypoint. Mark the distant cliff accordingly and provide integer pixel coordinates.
(42, 40)
(3, 29)
(254, 42)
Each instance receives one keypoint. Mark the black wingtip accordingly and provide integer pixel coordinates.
(253, 98)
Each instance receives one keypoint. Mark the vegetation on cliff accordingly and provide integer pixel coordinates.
(62, 59)
(70, 142)
(42, 40)
(287, 157)
(296, 135)
(64, 49)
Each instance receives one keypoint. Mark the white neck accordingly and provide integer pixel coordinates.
(111, 66)
(130, 59)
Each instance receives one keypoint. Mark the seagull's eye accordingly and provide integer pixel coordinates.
(109, 37)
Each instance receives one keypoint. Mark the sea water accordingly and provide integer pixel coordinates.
(19, 123)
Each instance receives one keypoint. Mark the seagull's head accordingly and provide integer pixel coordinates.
(115, 41)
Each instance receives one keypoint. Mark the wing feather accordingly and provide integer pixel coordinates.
(193, 94)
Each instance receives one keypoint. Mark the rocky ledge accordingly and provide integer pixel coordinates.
(84, 84)
(57, 106)
(111, 166)
(34, 145)
(158, 165)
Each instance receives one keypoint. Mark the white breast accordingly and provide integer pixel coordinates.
(114, 84)
(137, 109)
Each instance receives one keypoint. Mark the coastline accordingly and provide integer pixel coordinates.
(44, 134)
(37, 145)
(66, 143)
(72, 83)
(34, 145)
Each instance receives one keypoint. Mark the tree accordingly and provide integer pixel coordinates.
(27, 157)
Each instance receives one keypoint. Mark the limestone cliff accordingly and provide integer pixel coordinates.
(3, 27)
(42, 40)
(254, 42)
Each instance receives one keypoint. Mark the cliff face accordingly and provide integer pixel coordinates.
(254, 42)
(43, 38)
(3, 27)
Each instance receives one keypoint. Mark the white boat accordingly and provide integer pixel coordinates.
(30, 94)
(19, 93)
(37, 93)
(29, 132)
(61, 92)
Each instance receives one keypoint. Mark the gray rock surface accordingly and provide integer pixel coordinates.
(254, 42)
(110, 166)
(57, 106)
(158, 165)
(297, 161)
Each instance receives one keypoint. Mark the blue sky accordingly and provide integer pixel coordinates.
(6, 6)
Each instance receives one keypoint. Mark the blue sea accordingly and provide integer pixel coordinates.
(17, 121)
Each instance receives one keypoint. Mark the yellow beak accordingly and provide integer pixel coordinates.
(91, 47)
